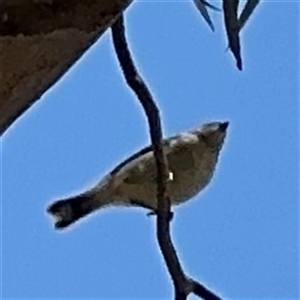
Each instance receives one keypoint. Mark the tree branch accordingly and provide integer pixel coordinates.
(183, 286)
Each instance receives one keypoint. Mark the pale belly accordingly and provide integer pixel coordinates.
(184, 184)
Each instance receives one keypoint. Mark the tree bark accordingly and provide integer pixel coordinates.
(40, 40)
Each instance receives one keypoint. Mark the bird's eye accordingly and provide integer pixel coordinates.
(204, 138)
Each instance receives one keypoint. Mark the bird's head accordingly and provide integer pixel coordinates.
(213, 134)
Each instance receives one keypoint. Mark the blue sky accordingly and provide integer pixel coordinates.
(239, 237)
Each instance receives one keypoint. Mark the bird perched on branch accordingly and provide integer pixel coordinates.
(191, 156)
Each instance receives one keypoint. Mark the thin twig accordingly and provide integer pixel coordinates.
(183, 286)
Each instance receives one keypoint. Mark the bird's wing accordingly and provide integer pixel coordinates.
(142, 164)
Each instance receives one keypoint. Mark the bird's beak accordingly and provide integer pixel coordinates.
(224, 126)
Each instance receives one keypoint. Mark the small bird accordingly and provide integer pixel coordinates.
(191, 156)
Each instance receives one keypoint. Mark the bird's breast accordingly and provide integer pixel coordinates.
(191, 172)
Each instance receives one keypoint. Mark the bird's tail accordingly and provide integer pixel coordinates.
(70, 210)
